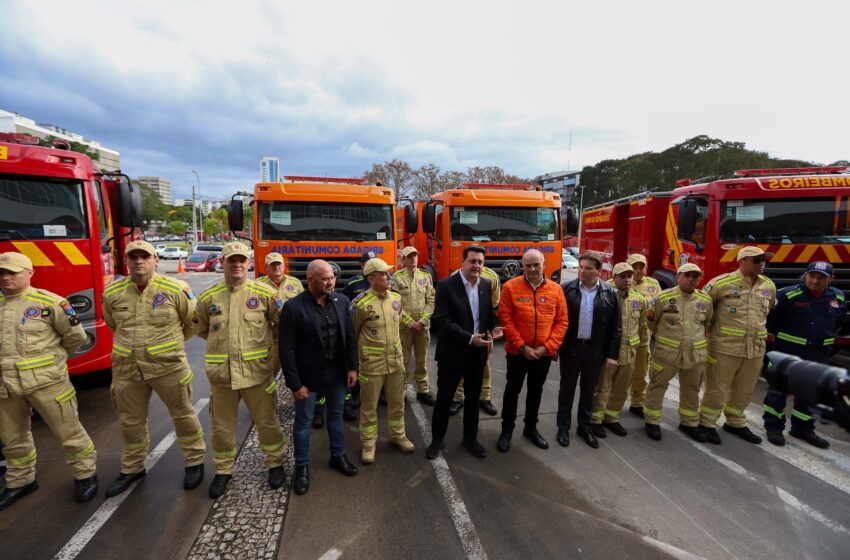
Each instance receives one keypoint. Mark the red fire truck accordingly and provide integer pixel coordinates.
(73, 222)
(799, 214)
(506, 219)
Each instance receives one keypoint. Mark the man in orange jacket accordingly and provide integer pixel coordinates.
(533, 314)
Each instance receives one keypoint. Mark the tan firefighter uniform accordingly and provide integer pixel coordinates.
(612, 388)
(680, 322)
(417, 301)
(377, 319)
(289, 287)
(38, 330)
(649, 288)
(237, 323)
(148, 354)
(495, 294)
(736, 346)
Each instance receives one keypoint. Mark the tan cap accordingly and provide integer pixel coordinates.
(376, 265)
(409, 251)
(636, 258)
(273, 258)
(235, 248)
(689, 267)
(622, 267)
(140, 245)
(15, 262)
(752, 251)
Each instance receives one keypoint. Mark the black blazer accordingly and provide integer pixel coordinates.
(453, 318)
(302, 352)
(607, 323)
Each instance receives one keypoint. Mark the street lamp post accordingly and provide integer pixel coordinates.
(200, 206)
(580, 209)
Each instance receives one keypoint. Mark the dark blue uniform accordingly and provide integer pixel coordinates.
(803, 325)
(355, 287)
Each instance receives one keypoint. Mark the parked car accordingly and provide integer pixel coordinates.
(568, 262)
(160, 249)
(174, 253)
(574, 251)
(205, 248)
(202, 262)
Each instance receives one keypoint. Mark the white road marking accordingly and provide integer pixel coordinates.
(457, 508)
(99, 518)
(331, 554)
(673, 551)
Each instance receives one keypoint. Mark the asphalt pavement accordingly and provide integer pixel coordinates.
(631, 498)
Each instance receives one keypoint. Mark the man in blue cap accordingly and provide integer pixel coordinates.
(804, 323)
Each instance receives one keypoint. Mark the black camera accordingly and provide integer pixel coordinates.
(823, 387)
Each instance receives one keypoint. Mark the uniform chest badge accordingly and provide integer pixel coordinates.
(68, 309)
(397, 305)
(635, 305)
(834, 303)
(421, 281)
(289, 287)
(32, 312)
(733, 310)
(369, 308)
(700, 307)
(214, 309)
(650, 289)
(736, 292)
(45, 312)
(766, 293)
(158, 299)
(252, 303)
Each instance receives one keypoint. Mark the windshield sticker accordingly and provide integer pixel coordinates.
(749, 214)
(55, 231)
(469, 218)
(281, 217)
(381, 235)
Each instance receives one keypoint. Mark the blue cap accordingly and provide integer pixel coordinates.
(820, 266)
(364, 258)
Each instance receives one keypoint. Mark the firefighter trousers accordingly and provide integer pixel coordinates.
(419, 342)
(132, 397)
(611, 393)
(690, 380)
(774, 405)
(224, 408)
(57, 405)
(729, 385)
(485, 383)
(639, 380)
(370, 389)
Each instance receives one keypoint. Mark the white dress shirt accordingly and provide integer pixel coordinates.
(472, 294)
(585, 313)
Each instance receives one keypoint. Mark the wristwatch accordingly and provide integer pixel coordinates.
(522, 349)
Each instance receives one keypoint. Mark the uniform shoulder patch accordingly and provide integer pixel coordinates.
(358, 297)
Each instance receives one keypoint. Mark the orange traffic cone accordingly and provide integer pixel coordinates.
(180, 268)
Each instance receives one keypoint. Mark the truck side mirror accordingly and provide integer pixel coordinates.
(571, 223)
(129, 205)
(411, 219)
(687, 219)
(429, 214)
(235, 217)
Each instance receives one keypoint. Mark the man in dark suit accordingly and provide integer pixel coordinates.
(318, 353)
(467, 326)
(592, 342)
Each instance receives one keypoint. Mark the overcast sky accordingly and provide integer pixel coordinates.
(332, 86)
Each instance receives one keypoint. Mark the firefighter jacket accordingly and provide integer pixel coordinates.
(680, 322)
(289, 287)
(739, 326)
(377, 319)
(649, 288)
(417, 294)
(495, 285)
(149, 328)
(38, 330)
(238, 323)
(805, 325)
(533, 317)
(633, 309)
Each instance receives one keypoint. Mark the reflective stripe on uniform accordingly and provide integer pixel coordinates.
(369, 428)
(611, 412)
(272, 447)
(728, 408)
(651, 412)
(116, 287)
(28, 458)
(687, 412)
(89, 449)
(186, 379)
(138, 445)
(191, 438)
(396, 423)
(66, 396)
(373, 350)
(771, 410)
(597, 415)
(35, 362)
(215, 358)
(224, 454)
(793, 293)
(161, 348)
(119, 350)
(790, 338)
(255, 355)
(655, 366)
(362, 378)
(668, 341)
(635, 340)
(167, 284)
(732, 332)
(761, 335)
(321, 401)
(711, 360)
(802, 416)
(41, 298)
(829, 342)
(707, 410)
(272, 387)
(701, 344)
(212, 291)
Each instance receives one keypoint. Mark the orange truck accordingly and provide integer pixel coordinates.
(307, 218)
(799, 214)
(506, 219)
(73, 222)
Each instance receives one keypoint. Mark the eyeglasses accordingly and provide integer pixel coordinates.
(758, 260)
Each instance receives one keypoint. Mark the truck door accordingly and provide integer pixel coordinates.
(637, 227)
(693, 242)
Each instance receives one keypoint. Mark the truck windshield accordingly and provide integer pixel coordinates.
(41, 208)
(497, 223)
(786, 220)
(295, 221)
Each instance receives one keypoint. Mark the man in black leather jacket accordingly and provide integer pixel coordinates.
(592, 342)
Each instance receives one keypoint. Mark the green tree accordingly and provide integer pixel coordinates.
(153, 208)
(176, 227)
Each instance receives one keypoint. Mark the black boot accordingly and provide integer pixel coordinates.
(653, 431)
(123, 482)
(302, 479)
(219, 485)
(193, 477)
(12, 495)
(276, 477)
(85, 489)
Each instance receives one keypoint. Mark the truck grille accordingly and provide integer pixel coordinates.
(346, 268)
(786, 274)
